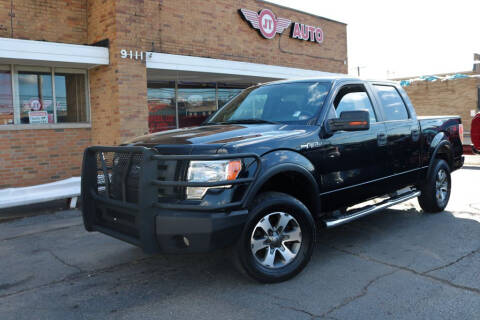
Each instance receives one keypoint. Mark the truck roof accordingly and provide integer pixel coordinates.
(333, 78)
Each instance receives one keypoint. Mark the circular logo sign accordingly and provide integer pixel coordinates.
(35, 104)
(268, 23)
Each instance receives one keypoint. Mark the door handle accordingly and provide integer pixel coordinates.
(332, 152)
(415, 134)
(381, 139)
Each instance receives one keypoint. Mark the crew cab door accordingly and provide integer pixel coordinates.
(349, 161)
(403, 135)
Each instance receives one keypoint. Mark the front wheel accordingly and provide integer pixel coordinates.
(436, 190)
(278, 238)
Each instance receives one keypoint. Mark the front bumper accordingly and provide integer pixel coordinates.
(185, 232)
(179, 232)
(146, 221)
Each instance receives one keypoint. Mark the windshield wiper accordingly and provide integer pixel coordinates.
(247, 121)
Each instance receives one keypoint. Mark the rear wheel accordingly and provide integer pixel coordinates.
(436, 190)
(278, 239)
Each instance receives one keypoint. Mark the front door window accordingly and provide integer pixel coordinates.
(352, 98)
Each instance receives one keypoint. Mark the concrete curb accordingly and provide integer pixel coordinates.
(51, 207)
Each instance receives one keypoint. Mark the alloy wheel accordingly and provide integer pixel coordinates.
(276, 240)
(441, 186)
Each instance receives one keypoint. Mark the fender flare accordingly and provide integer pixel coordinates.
(442, 144)
(280, 168)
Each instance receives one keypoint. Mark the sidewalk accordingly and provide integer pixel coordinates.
(472, 160)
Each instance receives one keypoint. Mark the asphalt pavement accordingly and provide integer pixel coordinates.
(397, 264)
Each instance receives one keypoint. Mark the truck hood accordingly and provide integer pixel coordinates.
(208, 139)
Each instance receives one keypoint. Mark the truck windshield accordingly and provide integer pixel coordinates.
(294, 102)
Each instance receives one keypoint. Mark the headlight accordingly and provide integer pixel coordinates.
(210, 171)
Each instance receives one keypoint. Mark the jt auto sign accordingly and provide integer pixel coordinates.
(269, 25)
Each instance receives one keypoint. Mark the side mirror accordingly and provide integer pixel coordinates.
(350, 121)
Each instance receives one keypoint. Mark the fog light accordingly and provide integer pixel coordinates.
(181, 241)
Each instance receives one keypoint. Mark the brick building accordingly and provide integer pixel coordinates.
(455, 96)
(79, 72)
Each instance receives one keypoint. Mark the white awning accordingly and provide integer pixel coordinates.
(51, 53)
(170, 65)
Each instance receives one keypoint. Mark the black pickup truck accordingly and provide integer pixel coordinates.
(270, 169)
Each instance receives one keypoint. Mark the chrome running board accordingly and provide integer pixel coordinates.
(330, 223)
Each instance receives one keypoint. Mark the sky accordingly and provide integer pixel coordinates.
(392, 39)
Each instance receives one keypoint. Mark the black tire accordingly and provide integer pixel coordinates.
(430, 200)
(272, 205)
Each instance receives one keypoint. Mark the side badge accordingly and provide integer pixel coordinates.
(310, 145)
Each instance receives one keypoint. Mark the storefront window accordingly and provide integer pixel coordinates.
(42, 95)
(195, 104)
(161, 107)
(6, 98)
(36, 96)
(70, 96)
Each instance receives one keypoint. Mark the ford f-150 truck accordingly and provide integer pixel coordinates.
(269, 170)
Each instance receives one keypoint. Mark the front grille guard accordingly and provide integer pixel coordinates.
(147, 206)
(185, 184)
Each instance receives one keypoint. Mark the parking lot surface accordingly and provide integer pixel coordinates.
(398, 264)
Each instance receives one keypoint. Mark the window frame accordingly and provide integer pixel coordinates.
(380, 104)
(8, 68)
(17, 125)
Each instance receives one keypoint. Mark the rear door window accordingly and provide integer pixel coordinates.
(392, 103)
